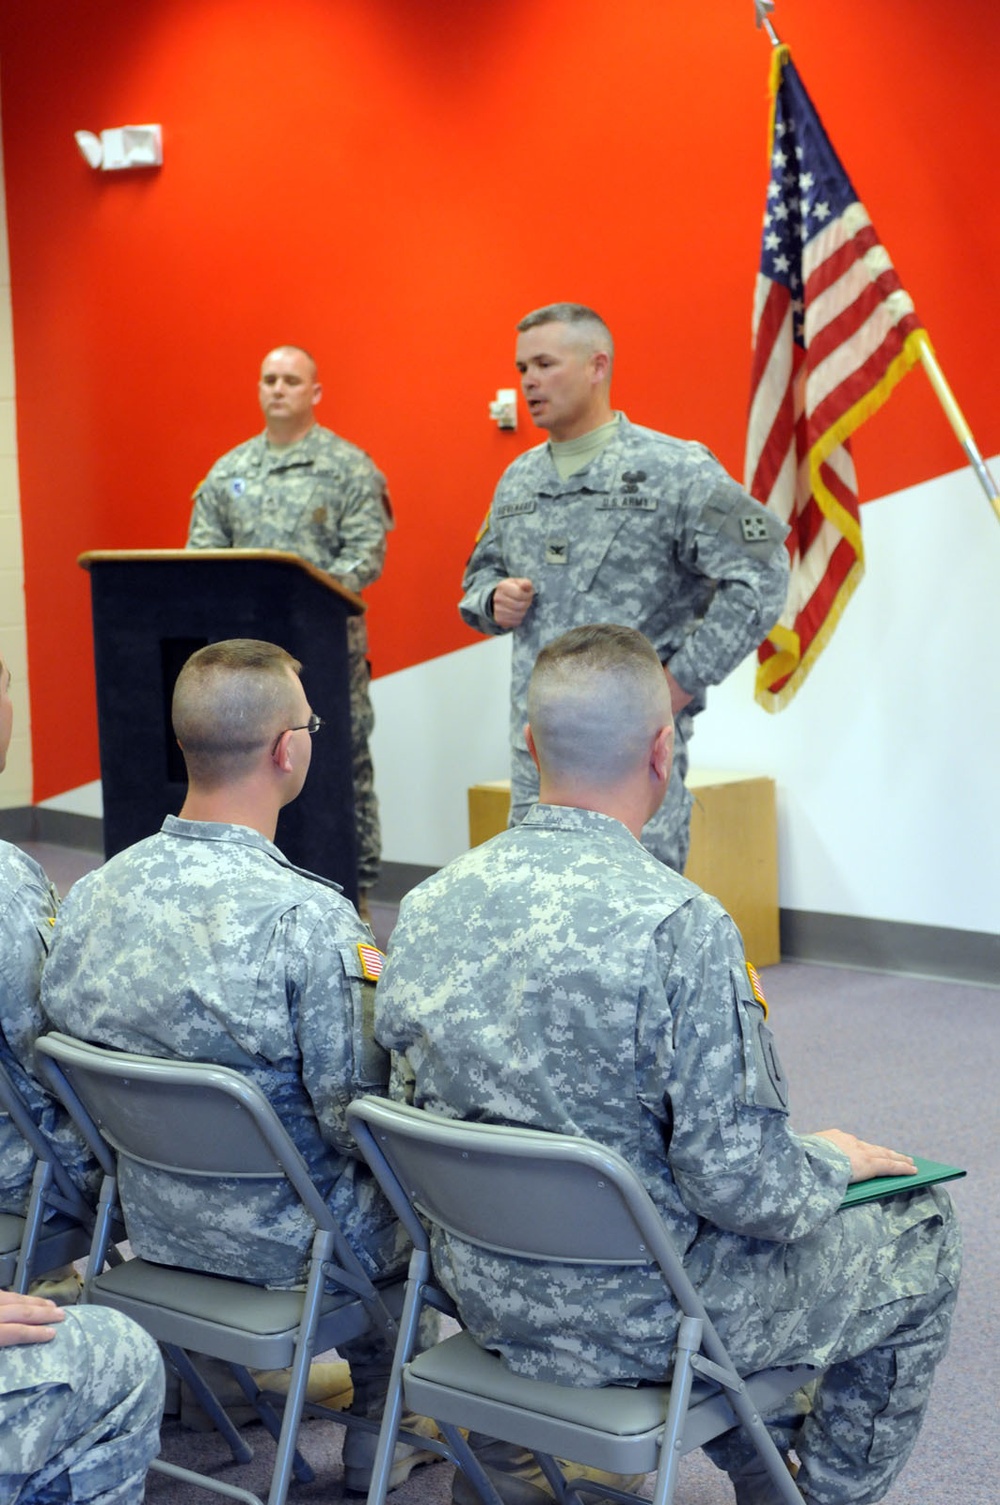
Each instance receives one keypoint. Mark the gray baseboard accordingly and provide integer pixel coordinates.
(891, 946)
(60, 827)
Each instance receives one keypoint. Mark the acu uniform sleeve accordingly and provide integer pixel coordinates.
(485, 569)
(732, 1153)
(362, 523)
(341, 1058)
(210, 527)
(733, 541)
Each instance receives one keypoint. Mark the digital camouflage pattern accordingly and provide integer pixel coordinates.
(80, 1415)
(559, 977)
(652, 534)
(28, 905)
(324, 499)
(202, 943)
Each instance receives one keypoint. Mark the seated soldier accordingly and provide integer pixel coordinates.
(81, 1394)
(560, 978)
(204, 943)
(28, 905)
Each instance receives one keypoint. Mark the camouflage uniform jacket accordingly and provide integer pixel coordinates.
(559, 977)
(203, 943)
(28, 904)
(652, 534)
(323, 498)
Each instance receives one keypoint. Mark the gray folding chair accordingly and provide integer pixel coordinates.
(546, 1196)
(209, 1121)
(58, 1221)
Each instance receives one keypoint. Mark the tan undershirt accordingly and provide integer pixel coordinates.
(571, 455)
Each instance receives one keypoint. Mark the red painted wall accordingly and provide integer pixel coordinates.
(393, 183)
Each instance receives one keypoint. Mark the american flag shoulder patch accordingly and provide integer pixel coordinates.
(372, 961)
(758, 991)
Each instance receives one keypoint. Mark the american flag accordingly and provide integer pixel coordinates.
(833, 332)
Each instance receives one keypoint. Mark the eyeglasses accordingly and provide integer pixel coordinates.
(311, 726)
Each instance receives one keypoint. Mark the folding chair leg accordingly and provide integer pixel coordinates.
(209, 1402)
(403, 1349)
(689, 1340)
(40, 1182)
(469, 1464)
(269, 1418)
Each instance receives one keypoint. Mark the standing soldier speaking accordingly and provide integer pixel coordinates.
(610, 522)
(300, 487)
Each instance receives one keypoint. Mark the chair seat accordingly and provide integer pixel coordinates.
(615, 1427)
(214, 1314)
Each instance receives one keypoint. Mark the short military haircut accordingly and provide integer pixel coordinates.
(231, 700)
(587, 327)
(298, 350)
(596, 699)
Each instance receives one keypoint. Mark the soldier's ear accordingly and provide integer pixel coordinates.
(317, 392)
(530, 744)
(662, 755)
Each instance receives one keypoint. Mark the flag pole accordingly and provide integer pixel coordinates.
(929, 361)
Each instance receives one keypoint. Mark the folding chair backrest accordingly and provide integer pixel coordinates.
(517, 1191)
(13, 1104)
(188, 1117)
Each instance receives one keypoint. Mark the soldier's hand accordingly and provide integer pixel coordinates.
(511, 600)
(868, 1159)
(27, 1319)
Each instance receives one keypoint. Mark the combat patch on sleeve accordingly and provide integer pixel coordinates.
(757, 990)
(372, 961)
(194, 494)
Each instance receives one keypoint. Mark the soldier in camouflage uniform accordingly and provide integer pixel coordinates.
(28, 905)
(81, 1394)
(203, 943)
(299, 487)
(560, 978)
(612, 522)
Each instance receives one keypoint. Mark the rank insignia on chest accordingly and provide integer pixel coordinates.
(757, 990)
(237, 486)
(372, 961)
(557, 551)
(319, 516)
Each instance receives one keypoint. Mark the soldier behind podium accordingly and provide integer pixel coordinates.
(560, 978)
(28, 905)
(300, 487)
(203, 943)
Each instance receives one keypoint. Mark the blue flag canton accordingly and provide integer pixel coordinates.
(807, 190)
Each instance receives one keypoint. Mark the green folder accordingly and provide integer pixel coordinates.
(877, 1187)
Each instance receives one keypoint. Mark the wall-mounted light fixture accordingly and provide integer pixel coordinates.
(122, 146)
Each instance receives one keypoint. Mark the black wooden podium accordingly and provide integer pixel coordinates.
(152, 609)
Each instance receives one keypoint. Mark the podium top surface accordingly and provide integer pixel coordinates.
(222, 556)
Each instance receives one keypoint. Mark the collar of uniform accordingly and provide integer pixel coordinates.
(286, 457)
(572, 818)
(245, 836)
(601, 475)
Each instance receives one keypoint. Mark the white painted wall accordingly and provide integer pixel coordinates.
(886, 761)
